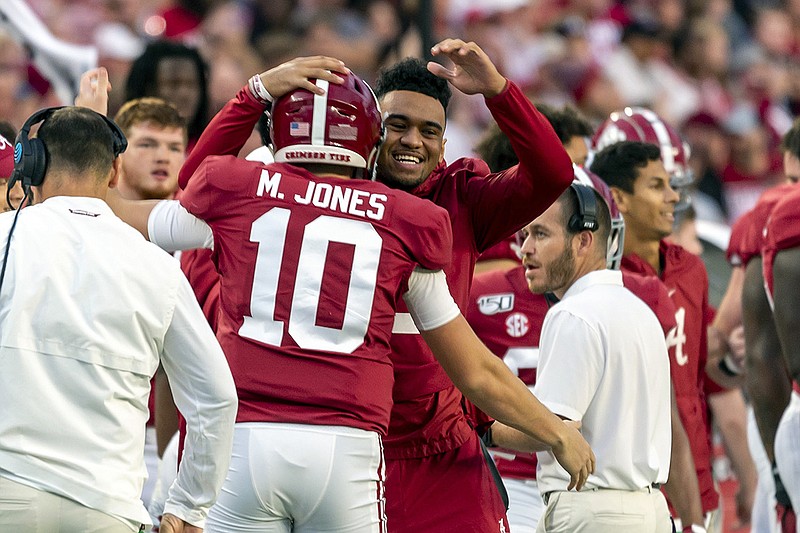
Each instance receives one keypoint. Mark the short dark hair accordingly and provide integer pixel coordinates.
(142, 78)
(791, 140)
(496, 150)
(78, 141)
(412, 74)
(617, 163)
(567, 122)
(569, 206)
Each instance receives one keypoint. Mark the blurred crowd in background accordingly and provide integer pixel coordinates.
(725, 72)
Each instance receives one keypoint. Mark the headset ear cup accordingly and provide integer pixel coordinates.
(36, 163)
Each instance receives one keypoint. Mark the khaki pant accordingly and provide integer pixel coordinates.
(24, 509)
(606, 511)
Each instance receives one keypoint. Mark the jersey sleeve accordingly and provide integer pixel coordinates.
(226, 134)
(427, 234)
(503, 202)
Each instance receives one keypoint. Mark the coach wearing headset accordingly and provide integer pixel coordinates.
(88, 308)
(603, 362)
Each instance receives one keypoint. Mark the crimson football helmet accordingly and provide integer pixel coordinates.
(641, 124)
(341, 127)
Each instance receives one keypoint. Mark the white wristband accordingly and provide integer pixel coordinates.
(258, 90)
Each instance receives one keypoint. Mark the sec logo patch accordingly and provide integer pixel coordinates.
(517, 325)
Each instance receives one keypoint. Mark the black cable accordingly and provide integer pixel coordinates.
(11, 231)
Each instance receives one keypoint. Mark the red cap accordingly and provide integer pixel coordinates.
(6, 157)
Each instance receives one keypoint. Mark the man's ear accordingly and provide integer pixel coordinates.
(620, 198)
(116, 170)
(583, 242)
(441, 154)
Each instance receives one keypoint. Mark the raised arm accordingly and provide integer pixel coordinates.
(508, 200)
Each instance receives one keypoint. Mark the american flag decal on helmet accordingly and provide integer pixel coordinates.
(299, 129)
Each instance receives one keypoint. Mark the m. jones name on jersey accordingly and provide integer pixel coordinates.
(327, 196)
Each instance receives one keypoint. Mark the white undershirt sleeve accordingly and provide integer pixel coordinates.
(429, 300)
(173, 228)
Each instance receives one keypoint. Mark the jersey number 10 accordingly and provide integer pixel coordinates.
(269, 231)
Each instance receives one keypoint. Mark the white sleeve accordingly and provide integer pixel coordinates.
(205, 394)
(172, 228)
(429, 300)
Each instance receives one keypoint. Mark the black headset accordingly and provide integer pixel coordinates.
(30, 155)
(586, 217)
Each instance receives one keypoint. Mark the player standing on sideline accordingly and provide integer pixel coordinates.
(330, 146)
(76, 464)
(609, 371)
(433, 455)
(642, 192)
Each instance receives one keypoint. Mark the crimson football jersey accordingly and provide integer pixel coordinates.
(484, 209)
(311, 268)
(747, 234)
(687, 284)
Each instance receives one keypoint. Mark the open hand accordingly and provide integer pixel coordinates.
(473, 72)
(94, 89)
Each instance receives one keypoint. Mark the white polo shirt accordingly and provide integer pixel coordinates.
(603, 361)
(87, 309)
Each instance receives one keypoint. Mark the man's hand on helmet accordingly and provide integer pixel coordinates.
(295, 74)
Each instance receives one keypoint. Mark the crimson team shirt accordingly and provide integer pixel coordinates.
(310, 269)
(686, 280)
(484, 209)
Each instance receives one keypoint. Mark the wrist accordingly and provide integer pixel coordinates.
(498, 87)
(259, 91)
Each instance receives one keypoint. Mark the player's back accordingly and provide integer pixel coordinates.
(311, 270)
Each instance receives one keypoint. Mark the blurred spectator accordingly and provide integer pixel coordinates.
(177, 74)
(710, 152)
